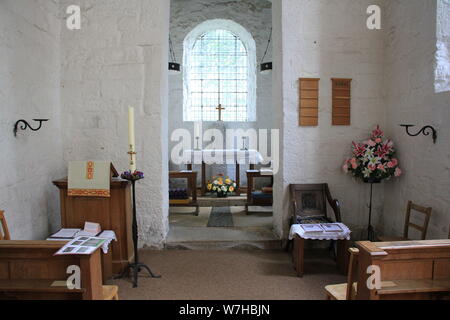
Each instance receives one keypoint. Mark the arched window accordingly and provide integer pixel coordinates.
(219, 70)
(442, 65)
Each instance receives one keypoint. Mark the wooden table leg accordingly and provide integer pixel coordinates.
(203, 178)
(342, 256)
(249, 192)
(238, 179)
(299, 255)
(194, 187)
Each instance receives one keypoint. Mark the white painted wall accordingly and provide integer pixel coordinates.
(256, 17)
(117, 59)
(411, 99)
(29, 89)
(325, 39)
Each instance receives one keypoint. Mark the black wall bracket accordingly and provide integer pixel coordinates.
(24, 125)
(426, 131)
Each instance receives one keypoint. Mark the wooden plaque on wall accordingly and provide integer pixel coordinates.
(341, 101)
(309, 102)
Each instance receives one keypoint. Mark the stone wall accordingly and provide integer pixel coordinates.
(256, 17)
(411, 99)
(119, 59)
(326, 39)
(84, 81)
(29, 89)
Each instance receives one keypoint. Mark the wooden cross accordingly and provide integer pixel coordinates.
(220, 109)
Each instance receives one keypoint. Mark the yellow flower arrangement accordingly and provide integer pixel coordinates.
(221, 185)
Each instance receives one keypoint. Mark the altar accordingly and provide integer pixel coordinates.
(236, 157)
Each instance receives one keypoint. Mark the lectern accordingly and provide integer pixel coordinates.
(113, 213)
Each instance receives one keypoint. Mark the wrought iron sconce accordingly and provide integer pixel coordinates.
(425, 131)
(24, 125)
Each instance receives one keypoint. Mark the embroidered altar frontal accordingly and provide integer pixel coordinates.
(89, 179)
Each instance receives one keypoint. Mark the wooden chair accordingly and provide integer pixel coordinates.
(110, 292)
(260, 199)
(309, 203)
(4, 232)
(346, 291)
(408, 224)
(309, 206)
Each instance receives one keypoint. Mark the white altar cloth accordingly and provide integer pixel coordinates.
(296, 229)
(226, 156)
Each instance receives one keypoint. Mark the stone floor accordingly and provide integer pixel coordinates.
(256, 228)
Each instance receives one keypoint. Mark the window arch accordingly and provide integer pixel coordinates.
(442, 64)
(219, 69)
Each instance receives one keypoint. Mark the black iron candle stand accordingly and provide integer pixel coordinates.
(135, 267)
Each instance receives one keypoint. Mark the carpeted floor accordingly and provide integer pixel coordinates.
(220, 217)
(230, 274)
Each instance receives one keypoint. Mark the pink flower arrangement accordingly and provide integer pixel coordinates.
(374, 159)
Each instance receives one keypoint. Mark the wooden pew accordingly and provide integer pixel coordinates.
(28, 269)
(410, 270)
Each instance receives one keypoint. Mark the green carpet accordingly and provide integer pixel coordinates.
(220, 217)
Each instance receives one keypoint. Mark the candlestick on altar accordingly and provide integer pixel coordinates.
(197, 134)
(244, 140)
(197, 129)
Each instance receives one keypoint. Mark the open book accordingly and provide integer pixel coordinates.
(81, 245)
(91, 229)
(322, 227)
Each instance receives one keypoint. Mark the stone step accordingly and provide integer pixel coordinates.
(225, 245)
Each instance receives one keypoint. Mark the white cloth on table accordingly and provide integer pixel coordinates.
(109, 235)
(226, 156)
(296, 229)
(266, 172)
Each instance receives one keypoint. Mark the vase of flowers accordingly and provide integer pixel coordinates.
(373, 160)
(222, 186)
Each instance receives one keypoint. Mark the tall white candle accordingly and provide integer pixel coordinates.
(131, 139)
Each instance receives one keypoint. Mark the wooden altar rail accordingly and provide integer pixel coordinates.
(28, 269)
(409, 269)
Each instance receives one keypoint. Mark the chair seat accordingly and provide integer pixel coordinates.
(339, 291)
(312, 220)
(261, 195)
(110, 293)
(391, 239)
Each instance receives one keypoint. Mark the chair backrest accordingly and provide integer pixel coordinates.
(408, 224)
(4, 232)
(309, 200)
(352, 274)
